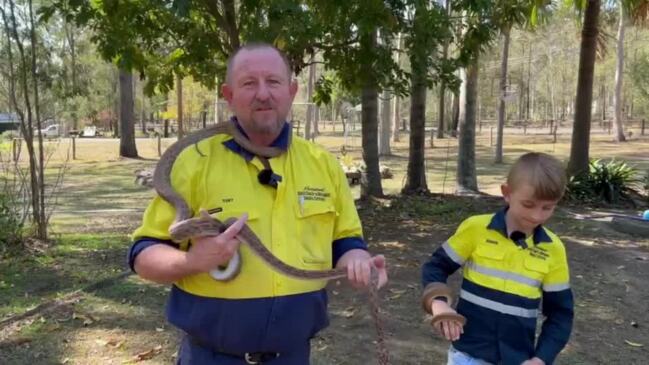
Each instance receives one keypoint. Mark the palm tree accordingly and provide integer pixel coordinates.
(581, 128)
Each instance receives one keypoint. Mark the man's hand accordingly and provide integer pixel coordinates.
(359, 263)
(450, 330)
(534, 361)
(208, 252)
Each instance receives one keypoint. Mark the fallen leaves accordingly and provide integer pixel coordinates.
(147, 355)
(112, 343)
(86, 318)
(349, 312)
(633, 344)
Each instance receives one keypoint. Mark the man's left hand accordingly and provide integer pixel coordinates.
(359, 263)
(534, 361)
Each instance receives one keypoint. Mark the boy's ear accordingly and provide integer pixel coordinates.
(506, 191)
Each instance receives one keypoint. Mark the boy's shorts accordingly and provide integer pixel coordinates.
(456, 357)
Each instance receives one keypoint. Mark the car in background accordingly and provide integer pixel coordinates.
(51, 131)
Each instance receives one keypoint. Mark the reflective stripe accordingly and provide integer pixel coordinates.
(498, 307)
(452, 254)
(503, 274)
(556, 287)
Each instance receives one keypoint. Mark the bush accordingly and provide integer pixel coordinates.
(11, 225)
(605, 181)
(10, 134)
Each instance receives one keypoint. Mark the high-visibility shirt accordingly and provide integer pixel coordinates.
(504, 283)
(308, 222)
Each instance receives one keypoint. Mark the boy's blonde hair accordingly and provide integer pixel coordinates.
(544, 173)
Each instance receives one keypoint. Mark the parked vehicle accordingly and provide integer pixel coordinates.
(52, 131)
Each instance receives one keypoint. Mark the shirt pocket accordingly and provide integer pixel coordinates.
(536, 269)
(314, 229)
(488, 266)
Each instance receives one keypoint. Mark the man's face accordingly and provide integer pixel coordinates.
(260, 91)
(525, 209)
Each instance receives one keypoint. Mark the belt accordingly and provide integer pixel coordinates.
(250, 357)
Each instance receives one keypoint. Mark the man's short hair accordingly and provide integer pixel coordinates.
(253, 46)
(543, 172)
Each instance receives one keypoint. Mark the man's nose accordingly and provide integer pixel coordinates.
(263, 92)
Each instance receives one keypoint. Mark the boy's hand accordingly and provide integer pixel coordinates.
(534, 361)
(450, 330)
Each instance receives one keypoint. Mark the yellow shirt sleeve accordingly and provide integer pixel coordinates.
(462, 243)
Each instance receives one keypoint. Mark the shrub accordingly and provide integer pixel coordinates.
(605, 181)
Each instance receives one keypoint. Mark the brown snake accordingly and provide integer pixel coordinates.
(186, 226)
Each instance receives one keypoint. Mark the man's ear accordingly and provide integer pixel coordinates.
(226, 91)
(292, 88)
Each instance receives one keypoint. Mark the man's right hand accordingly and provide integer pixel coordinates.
(450, 330)
(208, 252)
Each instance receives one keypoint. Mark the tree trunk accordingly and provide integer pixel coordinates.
(179, 96)
(619, 78)
(384, 127)
(127, 146)
(308, 125)
(466, 171)
(442, 85)
(396, 109)
(501, 98)
(456, 114)
(583, 104)
(143, 111)
(371, 184)
(41, 222)
(416, 175)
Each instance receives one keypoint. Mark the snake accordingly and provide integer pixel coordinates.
(186, 226)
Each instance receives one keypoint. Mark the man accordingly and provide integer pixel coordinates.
(304, 213)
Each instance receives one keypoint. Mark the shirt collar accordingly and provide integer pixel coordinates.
(282, 141)
(498, 223)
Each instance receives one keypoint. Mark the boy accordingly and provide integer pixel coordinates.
(510, 264)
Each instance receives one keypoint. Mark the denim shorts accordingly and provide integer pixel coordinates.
(456, 357)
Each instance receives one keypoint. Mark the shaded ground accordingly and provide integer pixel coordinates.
(123, 322)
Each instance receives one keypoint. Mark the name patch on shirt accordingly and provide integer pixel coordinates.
(311, 193)
(538, 252)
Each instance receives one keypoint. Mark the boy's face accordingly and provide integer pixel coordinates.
(525, 210)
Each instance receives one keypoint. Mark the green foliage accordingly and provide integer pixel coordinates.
(10, 222)
(645, 184)
(162, 39)
(605, 181)
(639, 69)
(9, 135)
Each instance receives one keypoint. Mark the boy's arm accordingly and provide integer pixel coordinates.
(558, 308)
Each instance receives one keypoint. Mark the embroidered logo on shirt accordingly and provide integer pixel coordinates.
(538, 252)
(215, 210)
(311, 193)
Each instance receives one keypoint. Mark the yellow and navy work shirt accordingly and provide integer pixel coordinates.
(503, 286)
(308, 220)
